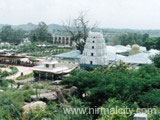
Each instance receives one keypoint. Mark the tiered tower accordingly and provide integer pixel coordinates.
(94, 50)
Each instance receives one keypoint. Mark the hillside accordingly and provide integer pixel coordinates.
(53, 27)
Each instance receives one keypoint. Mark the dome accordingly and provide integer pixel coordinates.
(135, 47)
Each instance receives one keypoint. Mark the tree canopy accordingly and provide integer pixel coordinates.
(130, 39)
(153, 43)
(41, 34)
(8, 34)
(156, 60)
(102, 84)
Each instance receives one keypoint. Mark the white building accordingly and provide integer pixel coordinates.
(140, 116)
(51, 70)
(62, 39)
(94, 50)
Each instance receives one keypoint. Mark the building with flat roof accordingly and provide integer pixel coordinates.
(50, 70)
(62, 39)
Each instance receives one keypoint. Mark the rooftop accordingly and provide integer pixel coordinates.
(140, 58)
(75, 54)
(50, 62)
(56, 70)
(59, 68)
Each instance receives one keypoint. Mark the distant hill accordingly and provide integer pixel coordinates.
(151, 32)
(56, 27)
(27, 27)
(52, 27)
(1, 25)
(31, 26)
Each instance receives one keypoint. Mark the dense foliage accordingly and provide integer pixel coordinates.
(8, 34)
(153, 43)
(16, 36)
(40, 34)
(130, 39)
(114, 86)
(128, 86)
(156, 60)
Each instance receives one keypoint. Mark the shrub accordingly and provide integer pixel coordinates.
(11, 106)
(4, 83)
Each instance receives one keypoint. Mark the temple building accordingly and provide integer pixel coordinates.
(94, 53)
(62, 40)
(51, 70)
(97, 53)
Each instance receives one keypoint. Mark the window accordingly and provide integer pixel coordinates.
(47, 65)
(63, 41)
(53, 66)
(67, 38)
(91, 62)
(55, 42)
(92, 54)
(67, 42)
(93, 41)
(92, 47)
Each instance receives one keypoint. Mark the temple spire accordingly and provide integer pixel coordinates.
(94, 50)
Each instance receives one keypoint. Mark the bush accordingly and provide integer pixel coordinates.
(4, 83)
(26, 87)
(11, 106)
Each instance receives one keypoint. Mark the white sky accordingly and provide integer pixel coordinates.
(136, 14)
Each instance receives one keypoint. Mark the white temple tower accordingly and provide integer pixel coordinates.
(94, 50)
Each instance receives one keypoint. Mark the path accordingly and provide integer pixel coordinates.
(25, 70)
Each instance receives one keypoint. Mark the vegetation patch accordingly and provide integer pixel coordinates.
(23, 77)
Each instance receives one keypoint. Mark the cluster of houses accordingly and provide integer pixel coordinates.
(96, 53)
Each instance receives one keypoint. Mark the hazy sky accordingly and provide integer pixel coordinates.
(141, 14)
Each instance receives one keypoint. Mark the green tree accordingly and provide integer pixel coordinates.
(150, 98)
(19, 35)
(102, 84)
(7, 34)
(131, 38)
(156, 60)
(153, 43)
(40, 34)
